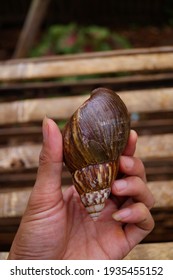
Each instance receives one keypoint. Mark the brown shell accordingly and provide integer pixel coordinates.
(97, 132)
(94, 138)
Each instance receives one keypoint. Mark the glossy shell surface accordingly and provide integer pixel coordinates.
(94, 138)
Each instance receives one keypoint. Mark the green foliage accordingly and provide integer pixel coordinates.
(70, 39)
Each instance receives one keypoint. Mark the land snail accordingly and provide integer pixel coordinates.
(94, 138)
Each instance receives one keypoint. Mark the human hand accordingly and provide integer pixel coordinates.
(55, 224)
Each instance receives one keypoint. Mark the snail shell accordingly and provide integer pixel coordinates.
(94, 138)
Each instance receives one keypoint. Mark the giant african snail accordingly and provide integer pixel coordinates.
(94, 138)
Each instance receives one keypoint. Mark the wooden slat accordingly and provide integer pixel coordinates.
(162, 192)
(109, 62)
(26, 156)
(157, 146)
(155, 170)
(76, 86)
(13, 158)
(149, 126)
(119, 52)
(3, 255)
(148, 100)
(64, 107)
(153, 251)
(13, 203)
(33, 132)
(30, 132)
(26, 177)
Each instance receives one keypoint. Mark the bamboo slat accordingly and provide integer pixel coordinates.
(155, 146)
(14, 90)
(148, 100)
(162, 192)
(135, 80)
(155, 170)
(33, 132)
(26, 156)
(63, 107)
(3, 255)
(153, 251)
(158, 146)
(110, 62)
(13, 202)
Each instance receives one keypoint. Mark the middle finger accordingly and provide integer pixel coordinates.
(132, 166)
(135, 188)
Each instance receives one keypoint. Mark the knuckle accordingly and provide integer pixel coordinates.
(136, 181)
(145, 218)
(135, 185)
(143, 210)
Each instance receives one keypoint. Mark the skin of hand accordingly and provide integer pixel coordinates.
(55, 224)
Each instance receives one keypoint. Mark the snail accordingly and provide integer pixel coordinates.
(93, 139)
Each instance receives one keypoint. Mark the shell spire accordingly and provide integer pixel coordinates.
(94, 138)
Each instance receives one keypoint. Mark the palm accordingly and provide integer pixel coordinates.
(84, 238)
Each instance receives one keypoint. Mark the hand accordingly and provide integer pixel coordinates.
(55, 225)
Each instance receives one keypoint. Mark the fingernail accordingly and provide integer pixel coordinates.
(121, 214)
(129, 162)
(120, 185)
(45, 129)
(134, 133)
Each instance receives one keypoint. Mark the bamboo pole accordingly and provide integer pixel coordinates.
(3, 255)
(153, 251)
(16, 158)
(33, 132)
(162, 192)
(132, 81)
(31, 26)
(155, 146)
(63, 107)
(84, 65)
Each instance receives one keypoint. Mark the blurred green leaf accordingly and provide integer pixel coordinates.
(71, 38)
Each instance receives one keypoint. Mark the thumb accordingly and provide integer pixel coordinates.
(47, 189)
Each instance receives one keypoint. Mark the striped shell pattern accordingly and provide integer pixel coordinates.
(94, 138)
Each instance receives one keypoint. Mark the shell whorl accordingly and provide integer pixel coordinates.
(94, 138)
(93, 184)
(95, 177)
